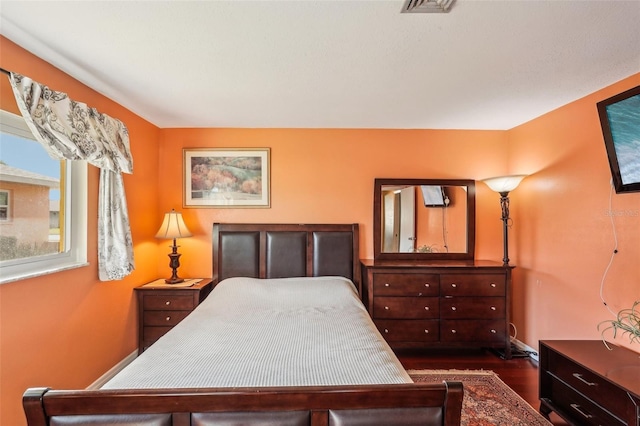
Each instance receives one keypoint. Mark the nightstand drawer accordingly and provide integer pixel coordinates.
(473, 285)
(473, 330)
(472, 307)
(406, 307)
(164, 318)
(168, 301)
(408, 330)
(580, 408)
(595, 387)
(406, 284)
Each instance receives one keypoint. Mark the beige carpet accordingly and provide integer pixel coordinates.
(488, 401)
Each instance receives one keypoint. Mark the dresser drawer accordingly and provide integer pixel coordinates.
(168, 302)
(406, 307)
(472, 307)
(593, 386)
(580, 408)
(403, 284)
(473, 331)
(408, 330)
(164, 318)
(473, 285)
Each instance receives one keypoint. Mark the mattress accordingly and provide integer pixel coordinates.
(278, 332)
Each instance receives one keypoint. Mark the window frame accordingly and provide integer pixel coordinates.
(74, 198)
(7, 206)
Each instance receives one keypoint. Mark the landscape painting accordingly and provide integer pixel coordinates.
(226, 177)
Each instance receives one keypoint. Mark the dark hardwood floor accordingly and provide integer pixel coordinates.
(520, 374)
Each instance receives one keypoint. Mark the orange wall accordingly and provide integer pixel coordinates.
(320, 175)
(66, 329)
(562, 227)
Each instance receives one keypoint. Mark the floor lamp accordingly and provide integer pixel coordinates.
(503, 185)
(173, 227)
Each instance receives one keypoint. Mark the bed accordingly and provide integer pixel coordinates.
(283, 339)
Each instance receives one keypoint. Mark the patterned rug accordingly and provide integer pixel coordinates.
(487, 401)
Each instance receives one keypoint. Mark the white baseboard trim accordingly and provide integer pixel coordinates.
(533, 353)
(113, 371)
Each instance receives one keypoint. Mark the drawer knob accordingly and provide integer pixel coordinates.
(577, 408)
(453, 331)
(386, 330)
(426, 308)
(493, 308)
(168, 302)
(493, 285)
(387, 285)
(454, 285)
(168, 318)
(427, 285)
(426, 331)
(386, 308)
(493, 331)
(586, 382)
(453, 308)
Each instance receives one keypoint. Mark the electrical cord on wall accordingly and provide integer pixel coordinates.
(613, 253)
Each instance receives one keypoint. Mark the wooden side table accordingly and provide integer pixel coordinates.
(161, 306)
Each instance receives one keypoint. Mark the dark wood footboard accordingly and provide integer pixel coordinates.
(388, 405)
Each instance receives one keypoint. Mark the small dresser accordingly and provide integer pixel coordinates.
(418, 304)
(587, 384)
(162, 306)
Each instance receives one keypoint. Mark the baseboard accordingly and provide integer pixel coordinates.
(533, 353)
(113, 371)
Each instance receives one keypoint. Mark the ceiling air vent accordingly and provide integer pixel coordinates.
(427, 6)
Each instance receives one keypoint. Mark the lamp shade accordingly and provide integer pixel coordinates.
(173, 226)
(504, 183)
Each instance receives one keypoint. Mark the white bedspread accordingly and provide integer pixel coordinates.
(282, 332)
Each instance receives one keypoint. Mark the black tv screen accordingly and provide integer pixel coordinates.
(620, 121)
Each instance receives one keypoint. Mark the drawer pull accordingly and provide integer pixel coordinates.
(426, 331)
(579, 377)
(168, 319)
(386, 330)
(493, 285)
(168, 302)
(454, 285)
(453, 308)
(387, 285)
(427, 285)
(386, 308)
(426, 308)
(493, 331)
(493, 308)
(577, 408)
(453, 331)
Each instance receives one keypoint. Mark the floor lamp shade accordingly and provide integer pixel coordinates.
(173, 227)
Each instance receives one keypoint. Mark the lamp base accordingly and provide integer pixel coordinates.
(174, 280)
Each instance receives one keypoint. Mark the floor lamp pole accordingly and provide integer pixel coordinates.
(504, 205)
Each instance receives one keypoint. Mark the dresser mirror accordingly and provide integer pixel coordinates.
(424, 219)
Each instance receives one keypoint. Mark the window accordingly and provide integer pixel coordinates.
(43, 224)
(4, 205)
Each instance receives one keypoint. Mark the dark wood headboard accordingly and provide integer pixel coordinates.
(285, 250)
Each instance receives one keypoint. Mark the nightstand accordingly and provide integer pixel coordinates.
(161, 306)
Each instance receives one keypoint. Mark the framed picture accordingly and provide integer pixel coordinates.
(226, 177)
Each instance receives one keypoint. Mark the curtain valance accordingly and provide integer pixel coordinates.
(71, 130)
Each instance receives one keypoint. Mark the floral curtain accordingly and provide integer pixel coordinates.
(71, 130)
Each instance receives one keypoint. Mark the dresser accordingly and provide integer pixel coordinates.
(162, 306)
(587, 384)
(418, 304)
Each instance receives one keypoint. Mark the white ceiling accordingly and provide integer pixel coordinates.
(488, 64)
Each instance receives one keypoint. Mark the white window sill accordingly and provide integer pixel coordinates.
(9, 278)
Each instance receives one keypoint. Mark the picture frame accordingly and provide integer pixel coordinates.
(620, 122)
(226, 177)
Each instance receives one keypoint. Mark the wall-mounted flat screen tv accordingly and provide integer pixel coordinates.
(620, 121)
(434, 196)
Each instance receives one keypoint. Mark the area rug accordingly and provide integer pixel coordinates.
(487, 401)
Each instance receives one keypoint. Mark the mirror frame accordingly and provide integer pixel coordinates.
(378, 254)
